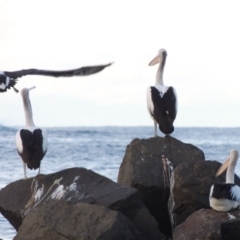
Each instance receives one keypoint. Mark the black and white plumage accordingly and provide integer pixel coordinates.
(9, 79)
(162, 100)
(226, 196)
(31, 142)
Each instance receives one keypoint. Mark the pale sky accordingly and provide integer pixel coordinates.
(202, 39)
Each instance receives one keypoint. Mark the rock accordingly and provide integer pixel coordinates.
(58, 220)
(230, 229)
(76, 185)
(190, 188)
(147, 166)
(203, 224)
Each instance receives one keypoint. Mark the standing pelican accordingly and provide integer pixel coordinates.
(161, 100)
(226, 196)
(31, 142)
(8, 79)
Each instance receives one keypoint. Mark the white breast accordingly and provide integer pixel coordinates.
(45, 142)
(162, 89)
(149, 102)
(18, 142)
(223, 205)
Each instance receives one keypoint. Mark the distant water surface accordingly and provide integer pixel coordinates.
(102, 150)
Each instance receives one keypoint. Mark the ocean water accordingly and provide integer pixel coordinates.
(102, 150)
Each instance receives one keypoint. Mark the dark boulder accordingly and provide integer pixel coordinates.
(76, 185)
(190, 188)
(58, 220)
(230, 230)
(204, 224)
(147, 166)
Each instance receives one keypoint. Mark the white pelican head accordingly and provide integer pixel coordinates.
(25, 91)
(161, 56)
(231, 161)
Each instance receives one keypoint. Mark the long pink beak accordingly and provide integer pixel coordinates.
(223, 167)
(31, 88)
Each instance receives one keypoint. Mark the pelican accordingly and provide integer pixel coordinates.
(9, 79)
(161, 100)
(226, 196)
(31, 142)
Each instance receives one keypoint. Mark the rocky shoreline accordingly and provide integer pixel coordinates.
(162, 192)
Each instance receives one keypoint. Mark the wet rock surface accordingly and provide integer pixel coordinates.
(230, 229)
(204, 224)
(75, 185)
(190, 188)
(59, 220)
(147, 166)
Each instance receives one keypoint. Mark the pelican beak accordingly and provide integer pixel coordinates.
(223, 167)
(154, 61)
(31, 88)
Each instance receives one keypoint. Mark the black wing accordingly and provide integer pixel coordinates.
(223, 190)
(169, 99)
(8, 79)
(6, 84)
(164, 109)
(32, 153)
(83, 71)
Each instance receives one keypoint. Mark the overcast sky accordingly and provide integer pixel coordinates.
(202, 39)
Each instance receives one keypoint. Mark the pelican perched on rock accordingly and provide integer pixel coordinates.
(226, 196)
(8, 79)
(161, 100)
(31, 142)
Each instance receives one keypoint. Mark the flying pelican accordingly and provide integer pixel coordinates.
(161, 100)
(226, 196)
(31, 142)
(9, 79)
